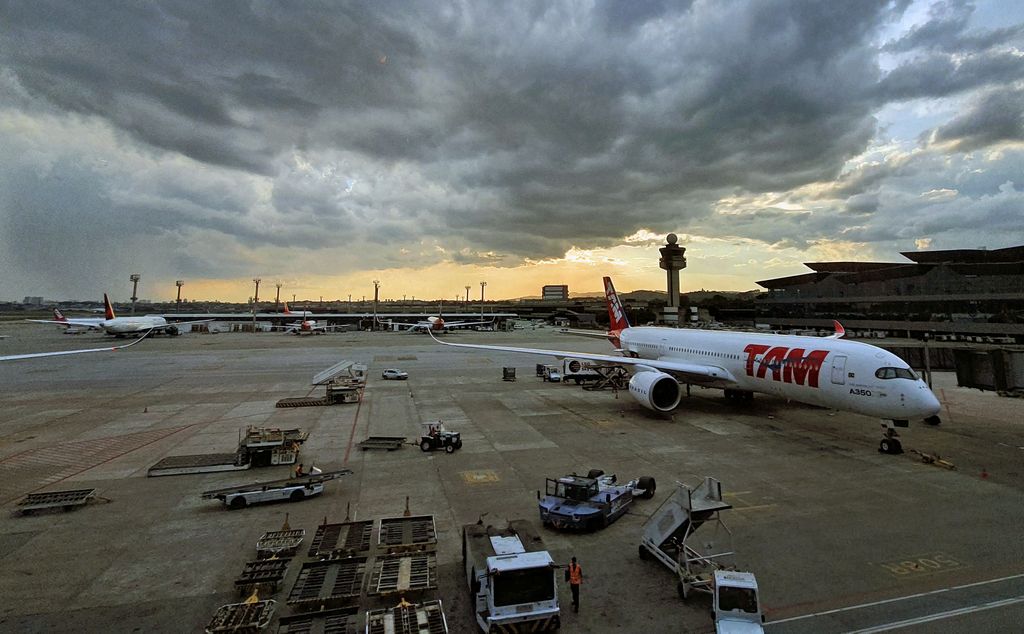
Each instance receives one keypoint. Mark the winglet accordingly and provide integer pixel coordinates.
(840, 331)
(107, 308)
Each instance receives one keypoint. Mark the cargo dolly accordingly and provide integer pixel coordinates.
(407, 534)
(262, 574)
(341, 540)
(328, 584)
(408, 618)
(283, 543)
(337, 621)
(389, 443)
(292, 489)
(248, 616)
(65, 500)
(403, 573)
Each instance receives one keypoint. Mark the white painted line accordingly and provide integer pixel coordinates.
(897, 599)
(895, 625)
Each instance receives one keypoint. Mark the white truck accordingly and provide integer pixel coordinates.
(511, 578)
(737, 608)
(578, 371)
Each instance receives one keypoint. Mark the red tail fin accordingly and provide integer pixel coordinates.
(107, 308)
(58, 316)
(616, 313)
(286, 311)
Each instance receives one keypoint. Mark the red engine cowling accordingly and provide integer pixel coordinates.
(655, 390)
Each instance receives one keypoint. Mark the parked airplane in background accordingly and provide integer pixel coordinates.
(436, 324)
(305, 326)
(824, 371)
(79, 325)
(60, 353)
(121, 326)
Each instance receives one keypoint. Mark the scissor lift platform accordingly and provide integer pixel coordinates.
(403, 573)
(417, 618)
(667, 536)
(341, 540)
(280, 543)
(66, 500)
(242, 618)
(262, 574)
(337, 621)
(407, 534)
(328, 584)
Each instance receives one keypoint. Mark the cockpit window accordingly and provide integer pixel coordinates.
(895, 373)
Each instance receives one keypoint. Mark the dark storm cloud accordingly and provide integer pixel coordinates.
(995, 117)
(500, 131)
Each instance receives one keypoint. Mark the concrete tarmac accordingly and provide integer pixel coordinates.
(841, 538)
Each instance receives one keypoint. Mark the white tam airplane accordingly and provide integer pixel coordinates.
(824, 371)
(88, 323)
(121, 326)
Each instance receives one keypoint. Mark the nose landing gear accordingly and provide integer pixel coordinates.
(890, 443)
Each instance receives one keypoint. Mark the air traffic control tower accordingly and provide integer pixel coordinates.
(673, 261)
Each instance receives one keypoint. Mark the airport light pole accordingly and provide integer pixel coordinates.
(467, 296)
(482, 285)
(277, 299)
(255, 299)
(179, 284)
(134, 277)
(376, 295)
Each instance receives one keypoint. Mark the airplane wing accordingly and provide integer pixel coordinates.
(462, 324)
(599, 334)
(689, 372)
(175, 324)
(83, 323)
(37, 355)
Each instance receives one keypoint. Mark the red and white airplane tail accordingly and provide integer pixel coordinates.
(617, 321)
(286, 311)
(59, 316)
(108, 310)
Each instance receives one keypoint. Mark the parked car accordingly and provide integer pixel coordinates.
(394, 374)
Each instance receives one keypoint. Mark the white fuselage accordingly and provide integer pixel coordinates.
(130, 325)
(828, 372)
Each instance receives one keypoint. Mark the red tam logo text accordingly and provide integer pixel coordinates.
(787, 365)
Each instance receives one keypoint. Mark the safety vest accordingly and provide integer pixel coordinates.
(575, 574)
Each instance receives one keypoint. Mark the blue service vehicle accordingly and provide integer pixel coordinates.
(576, 502)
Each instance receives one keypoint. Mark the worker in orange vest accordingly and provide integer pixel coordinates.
(574, 575)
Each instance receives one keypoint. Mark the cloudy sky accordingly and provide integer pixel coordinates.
(322, 145)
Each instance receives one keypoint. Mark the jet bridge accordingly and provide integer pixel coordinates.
(668, 536)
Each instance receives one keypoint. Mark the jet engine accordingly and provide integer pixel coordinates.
(173, 331)
(655, 390)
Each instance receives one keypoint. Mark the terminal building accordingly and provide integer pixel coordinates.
(962, 293)
(557, 292)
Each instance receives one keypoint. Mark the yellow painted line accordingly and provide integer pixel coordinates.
(754, 508)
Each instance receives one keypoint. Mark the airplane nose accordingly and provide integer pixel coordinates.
(929, 405)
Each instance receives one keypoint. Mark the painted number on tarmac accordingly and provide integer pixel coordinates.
(479, 477)
(916, 566)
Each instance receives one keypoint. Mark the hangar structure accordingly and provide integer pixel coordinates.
(966, 292)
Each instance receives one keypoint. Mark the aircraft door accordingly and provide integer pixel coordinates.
(839, 370)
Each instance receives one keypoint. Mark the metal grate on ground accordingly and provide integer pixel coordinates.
(280, 543)
(339, 621)
(420, 618)
(409, 572)
(342, 539)
(325, 584)
(402, 534)
(53, 499)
